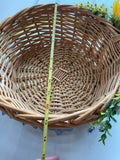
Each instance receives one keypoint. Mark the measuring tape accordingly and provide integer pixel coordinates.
(49, 88)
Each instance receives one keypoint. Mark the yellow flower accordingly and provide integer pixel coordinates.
(102, 6)
(91, 5)
(81, 5)
(116, 8)
(96, 6)
(77, 5)
(88, 3)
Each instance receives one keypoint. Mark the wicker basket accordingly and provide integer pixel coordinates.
(85, 74)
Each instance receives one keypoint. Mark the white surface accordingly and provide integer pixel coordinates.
(18, 142)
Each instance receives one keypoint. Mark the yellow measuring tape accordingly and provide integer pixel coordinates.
(49, 88)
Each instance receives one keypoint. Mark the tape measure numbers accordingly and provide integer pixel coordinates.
(49, 88)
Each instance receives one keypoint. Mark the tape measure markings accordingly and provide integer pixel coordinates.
(49, 88)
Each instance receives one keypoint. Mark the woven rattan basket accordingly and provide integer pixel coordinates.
(85, 74)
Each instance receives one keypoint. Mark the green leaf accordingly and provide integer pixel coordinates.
(117, 98)
(108, 103)
(119, 91)
(103, 142)
(102, 113)
(113, 112)
(118, 62)
(101, 130)
(118, 94)
(94, 124)
(109, 133)
(105, 119)
(108, 125)
(100, 140)
(112, 106)
(103, 137)
(114, 119)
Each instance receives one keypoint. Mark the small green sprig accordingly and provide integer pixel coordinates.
(104, 121)
(115, 20)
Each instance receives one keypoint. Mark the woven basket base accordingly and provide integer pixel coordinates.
(73, 82)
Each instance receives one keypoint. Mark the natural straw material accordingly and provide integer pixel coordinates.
(85, 74)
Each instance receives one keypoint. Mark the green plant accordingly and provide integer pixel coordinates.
(104, 121)
(115, 20)
(102, 11)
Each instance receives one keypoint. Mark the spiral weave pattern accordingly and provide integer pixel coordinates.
(85, 74)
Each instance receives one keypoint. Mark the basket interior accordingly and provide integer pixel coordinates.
(83, 59)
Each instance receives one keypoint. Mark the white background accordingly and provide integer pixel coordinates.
(18, 142)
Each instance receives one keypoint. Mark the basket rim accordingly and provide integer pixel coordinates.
(13, 18)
